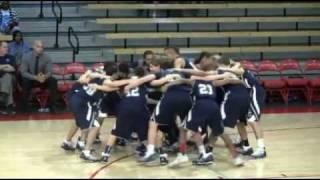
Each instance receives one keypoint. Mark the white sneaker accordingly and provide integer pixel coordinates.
(238, 161)
(180, 160)
(259, 153)
(102, 115)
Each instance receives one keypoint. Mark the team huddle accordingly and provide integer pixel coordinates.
(170, 104)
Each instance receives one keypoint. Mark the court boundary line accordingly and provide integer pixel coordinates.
(96, 172)
(220, 174)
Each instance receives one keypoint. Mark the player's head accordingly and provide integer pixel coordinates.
(223, 61)
(139, 71)
(110, 68)
(148, 56)
(204, 61)
(123, 70)
(172, 52)
(155, 65)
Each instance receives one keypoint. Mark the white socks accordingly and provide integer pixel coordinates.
(150, 149)
(260, 143)
(202, 149)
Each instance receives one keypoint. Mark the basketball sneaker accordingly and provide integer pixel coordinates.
(164, 159)
(105, 157)
(67, 146)
(259, 153)
(120, 142)
(180, 160)
(203, 160)
(149, 159)
(141, 149)
(88, 156)
(238, 161)
(245, 150)
(80, 145)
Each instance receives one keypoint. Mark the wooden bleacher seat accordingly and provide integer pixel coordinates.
(151, 35)
(205, 20)
(194, 50)
(5, 37)
(201, 6)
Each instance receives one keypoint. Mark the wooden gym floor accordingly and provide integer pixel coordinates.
(30, 149)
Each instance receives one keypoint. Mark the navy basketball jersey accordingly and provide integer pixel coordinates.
(90, 94)
(232, 87)
(203, 90)
(137, 95)
(249, 79)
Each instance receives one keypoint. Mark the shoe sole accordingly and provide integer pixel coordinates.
(259, 157)
(202, 164)
(68, 149)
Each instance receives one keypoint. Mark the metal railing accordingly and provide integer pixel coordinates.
(58, 20)
(41, 10)
(75, 49)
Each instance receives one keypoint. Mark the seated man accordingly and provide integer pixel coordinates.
(36, 70)
(7, 76)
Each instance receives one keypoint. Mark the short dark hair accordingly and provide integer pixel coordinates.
(147, 52)
(203, 54)
(156, 62)
(139, 71)
(15, 33)
(123, 67)
(175, 49)
(110, 68)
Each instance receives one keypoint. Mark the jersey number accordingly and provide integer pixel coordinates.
(133, 93)
(205, 89)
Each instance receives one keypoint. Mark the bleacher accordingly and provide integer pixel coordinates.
(122, 31)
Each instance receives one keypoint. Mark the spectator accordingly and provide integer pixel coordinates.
(7, 78)
(36, 70)
(8, 18)
(18, 47)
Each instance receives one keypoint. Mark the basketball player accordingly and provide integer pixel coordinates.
(133, 114)
(84, 101)
(209, 64)
(257, 95)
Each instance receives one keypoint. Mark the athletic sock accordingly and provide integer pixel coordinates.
(150, 149)
(260, 143)
(245, 142)
(108, 149)
(202, 149)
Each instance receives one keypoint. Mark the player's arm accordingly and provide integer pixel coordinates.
(236, 68)
(222, 82)
(194, 72)
(85, 78)
(98, 75)
(161, 81)
(103, 87)
(117, 83)
(211, 77)
(137, 82)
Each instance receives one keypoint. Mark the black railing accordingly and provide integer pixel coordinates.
(58, 20)
(41, 10)
(75, 49)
